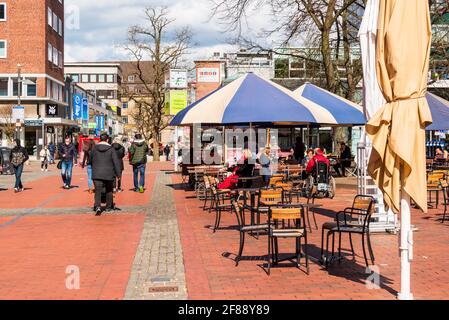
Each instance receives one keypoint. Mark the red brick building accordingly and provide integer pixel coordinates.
(32, 44)
(209, 76)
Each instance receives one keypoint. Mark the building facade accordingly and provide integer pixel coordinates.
(103, 80)
(31, 70)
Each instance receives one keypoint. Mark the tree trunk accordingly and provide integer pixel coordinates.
(156, 155)
(327, 61)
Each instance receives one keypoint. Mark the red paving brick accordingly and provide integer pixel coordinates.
(210, 275)
(36, 250)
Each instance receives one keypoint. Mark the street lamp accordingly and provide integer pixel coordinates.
(19, 93)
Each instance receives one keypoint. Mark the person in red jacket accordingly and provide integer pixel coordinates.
(318, 157)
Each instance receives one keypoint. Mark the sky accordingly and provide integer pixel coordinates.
(96, 29)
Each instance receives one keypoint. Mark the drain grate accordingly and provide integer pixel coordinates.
(163, 289)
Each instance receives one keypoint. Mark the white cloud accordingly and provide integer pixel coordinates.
(104, 25)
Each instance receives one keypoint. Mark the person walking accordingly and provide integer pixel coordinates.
(18, 157)
(121, 152)
(87, 162)
(52, 151)
(44, 156)
(138, 159)
(167, 152)
(67, 154)
(105, 168)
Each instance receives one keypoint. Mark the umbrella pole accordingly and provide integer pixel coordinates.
(406, 248)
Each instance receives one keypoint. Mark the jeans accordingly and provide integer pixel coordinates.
(90, 183)
(19, 171)
(266, 180)
(52, 157)
(44, 163)
(139, 169)
(104, 186)
(66, 172)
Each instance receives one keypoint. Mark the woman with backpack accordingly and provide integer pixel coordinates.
(19, 156)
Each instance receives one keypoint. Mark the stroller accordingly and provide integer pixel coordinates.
(320, 184)
(5, 165)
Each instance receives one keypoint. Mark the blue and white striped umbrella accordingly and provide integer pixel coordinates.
(344, 111)
(251, 99)
(440, 112)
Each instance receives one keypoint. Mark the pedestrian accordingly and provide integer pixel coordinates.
(18, 157)
(299, 150)
(265, 162)
(68, 158)
(167, 152)
(87, 162)
(121, 152)
(44, 155)
(52, 151)
(138, 159)
(105, 168)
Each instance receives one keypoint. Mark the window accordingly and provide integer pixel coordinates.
(124, 105)
(3, 49)
(2, 11)
(85, 78)
(93, 78)
(60, 59)
(55, 22)
(15, 87)
(31, 87)
(101, 78)
(60, 27)
(50, 52)
(4, 87)
(55, 56)
(50, 17)
(75, 77)
(110, 78)
(131, 79)
(125, 120)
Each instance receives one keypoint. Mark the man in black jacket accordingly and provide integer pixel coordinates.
(18, 157)
(120, 150)
(105, 168)
(68, 156)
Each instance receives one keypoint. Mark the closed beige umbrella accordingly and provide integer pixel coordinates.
(398, 161)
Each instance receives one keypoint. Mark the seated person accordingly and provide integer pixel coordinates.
(345, 160)
(440, 154)
(318, 157)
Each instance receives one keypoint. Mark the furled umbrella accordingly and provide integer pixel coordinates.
(398, 161)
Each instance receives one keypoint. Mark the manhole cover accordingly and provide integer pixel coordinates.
(163, 289)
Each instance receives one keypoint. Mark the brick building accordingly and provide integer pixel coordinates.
(210, 75)
(32, 45)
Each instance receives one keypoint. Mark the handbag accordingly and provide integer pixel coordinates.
(59, 165)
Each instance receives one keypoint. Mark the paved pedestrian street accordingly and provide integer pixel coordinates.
(161, 246)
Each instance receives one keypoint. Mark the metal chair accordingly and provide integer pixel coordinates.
(279, 219)
(445, 188)
(353, 220)
(244, 228)
(220, 204)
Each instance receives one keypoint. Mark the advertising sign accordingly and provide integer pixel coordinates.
(77, 106)
(18, 113)
(92, 125)
(85, 110)
(178, 101)
(99, 120)
(51, 110)
(209, 75)
(178, 79)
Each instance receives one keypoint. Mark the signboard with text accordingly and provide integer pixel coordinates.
(77, 106)
(85, 109)
(51, 110)
(18, 113)
(208, 75)
(178, 101)
(99, 120)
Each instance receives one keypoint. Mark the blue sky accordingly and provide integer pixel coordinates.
(104, 23)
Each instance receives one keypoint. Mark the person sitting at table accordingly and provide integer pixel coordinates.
(345, 160)
(318, 157)
(265, 162)
(306, 160)
(440, 154)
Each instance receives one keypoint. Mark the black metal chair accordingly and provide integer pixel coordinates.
(279, 222)
(445, 188)
(354, 220)
(220, 205)
(244, 228)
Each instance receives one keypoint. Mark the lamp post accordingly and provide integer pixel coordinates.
(19, 93)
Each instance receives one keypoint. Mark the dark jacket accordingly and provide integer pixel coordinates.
(346, 154)
(246, 169)
(105, 163)
(139, 150)
(87, 159)
(120, 150)
(51, 148)
(19, 150)
(69, 151)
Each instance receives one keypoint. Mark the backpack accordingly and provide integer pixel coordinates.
(17, 158)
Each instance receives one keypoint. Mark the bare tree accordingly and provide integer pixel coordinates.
(154, 41)
(7, 123)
